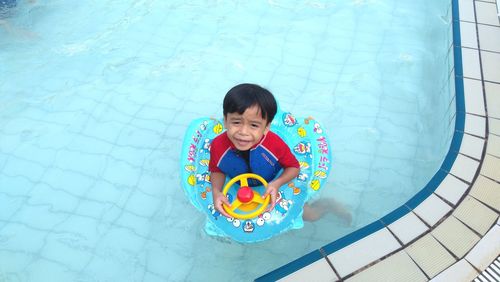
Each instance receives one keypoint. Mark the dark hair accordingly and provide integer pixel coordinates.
(247, 95)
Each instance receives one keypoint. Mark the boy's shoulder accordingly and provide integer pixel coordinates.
(221, 142)
(280, 150)
(273, 138)
(273, 142)
(221, 137)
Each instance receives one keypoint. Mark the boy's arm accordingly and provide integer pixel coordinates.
(288, 174)
(217, 179)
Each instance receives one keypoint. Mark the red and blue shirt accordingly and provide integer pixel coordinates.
(266, 158)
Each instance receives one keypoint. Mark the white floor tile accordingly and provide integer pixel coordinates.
(466, 10)
(455, 236)
(475, 125)
(452, 189)
(494, 124)
(491, 167)
(476, 215)
(468, 34)
(432, 209)
(460, 271)
(489, 37)
(464, 168)
(430, 255)
(493, 99)
(470, 61)
(474, 99)
(493, 147)
(486, 191)
(379, 243)
(472, 146)
(408, 228)
(486, 250)
(319, 271)
(491, 63)
(486, 13)
(396, 268)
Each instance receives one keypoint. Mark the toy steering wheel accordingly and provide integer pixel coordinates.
(247, 199)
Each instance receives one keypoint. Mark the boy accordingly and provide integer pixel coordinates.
(248, 145)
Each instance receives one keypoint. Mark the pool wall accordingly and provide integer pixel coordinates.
(449, 231)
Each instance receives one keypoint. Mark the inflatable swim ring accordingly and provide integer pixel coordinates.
(309, 144)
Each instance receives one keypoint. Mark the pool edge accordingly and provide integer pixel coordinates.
(382, 225)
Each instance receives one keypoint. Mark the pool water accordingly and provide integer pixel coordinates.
(95, 97)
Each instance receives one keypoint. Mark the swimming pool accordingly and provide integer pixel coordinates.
(95, 101)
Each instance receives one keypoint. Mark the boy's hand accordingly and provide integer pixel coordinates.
(219, 199)
(273, 191)
(288, 174)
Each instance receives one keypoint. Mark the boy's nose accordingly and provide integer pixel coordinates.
(244, 129)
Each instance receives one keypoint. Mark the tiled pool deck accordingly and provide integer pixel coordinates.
(450, 230)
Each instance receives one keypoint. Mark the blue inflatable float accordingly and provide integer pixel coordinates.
(308, 142)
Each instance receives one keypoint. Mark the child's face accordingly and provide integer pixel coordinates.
(247, 129)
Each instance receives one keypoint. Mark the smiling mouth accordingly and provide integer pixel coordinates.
(242, 142)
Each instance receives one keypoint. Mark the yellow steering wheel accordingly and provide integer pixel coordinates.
(247, 199)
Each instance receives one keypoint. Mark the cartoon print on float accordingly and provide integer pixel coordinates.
(206, 147)
(282, 204)
(263, 218)
(289, 120)
(236, 222)
(248, 227)
(303, 148)
(215, 213)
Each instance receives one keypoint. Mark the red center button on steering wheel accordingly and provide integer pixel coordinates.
(245, 194)
(247, 200)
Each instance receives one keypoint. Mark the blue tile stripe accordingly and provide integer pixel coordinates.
(421, 195)
(291, 267)
(353, 237)
(429, 188)
(395, 215)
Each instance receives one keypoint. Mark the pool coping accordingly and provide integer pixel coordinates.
(418, 239)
